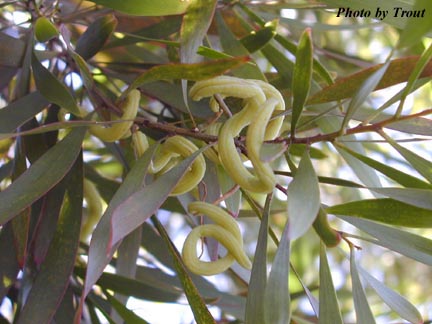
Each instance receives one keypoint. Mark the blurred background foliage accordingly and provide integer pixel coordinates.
(73, 55)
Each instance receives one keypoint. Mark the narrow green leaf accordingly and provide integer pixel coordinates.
(422, 165)
(400, 177)
(417, 26)
(139, 206)
(193, 72)
(387, 211)
(146, 7)
(361, 305)
(398, 71)
(41, 176)
(42, 303)
(410, 245)
(254, 313)
(9, 266)
(329, 311)
(18, 112)
(197, 304)
(100, 252)
(363, 93)
(302, 76)
(212, 53)
(95, 36)
(303, 198)
(395, 301)
(258, 39)
(126, 314)
(232, 46)
(421, 198)
(52, 89)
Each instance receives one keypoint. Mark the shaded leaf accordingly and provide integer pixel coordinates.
(95, 36)
(146, 7)
(52, 89)
(41, 176)
(9, 266)
(126, 314)
(385, 210)
(258, 39)
(361, 305)
(12, 50)
(18, 112)
(394, 300)
(329, 311)
(303, 198)
(41, 303)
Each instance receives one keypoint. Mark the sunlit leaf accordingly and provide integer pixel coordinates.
(421, 198)
(399, 70)
(329, 311)
(146, 7)
(126, 314)
(408, 244)
(387, 211)
(303, 199)
(394, 300)
(41, 176)
(254, 312)
(302, 76)
(277, 299)
(418, 25)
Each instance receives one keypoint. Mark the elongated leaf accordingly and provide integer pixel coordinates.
(146, 7)
(12, 50)
(303, 198)
(41, 303)
(277, 299)
(418, 25)
(194, 27)
(193, 72)
(232, 46)
(52, 89)
(363, 92)
(18, 112)
(329, 311)
(402, 178)
(100, 249)
(134, 210)
(361, 305)
(387, 211)
(199, 308)
(399, 70)
(410, 245)
(255, 302)
(302, 76)
(95, 36)
(41, 176)
(9, 266)
(421, 198)
(394, 300)
(126, 314)
(422, 165)
(258, 39)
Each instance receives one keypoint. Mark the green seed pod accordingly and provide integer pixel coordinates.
(44, 30)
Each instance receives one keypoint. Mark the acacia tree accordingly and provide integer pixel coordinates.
(116, 112)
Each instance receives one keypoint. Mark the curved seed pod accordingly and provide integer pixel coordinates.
(225, 230)
(116, 131)
(94, 209)
(260, 100)
(179, 147)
